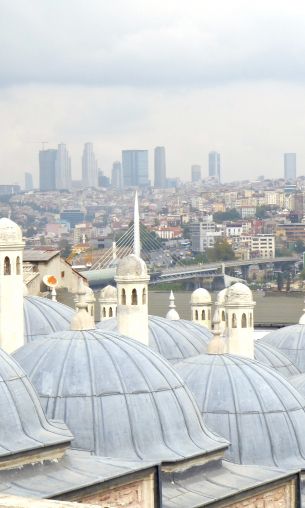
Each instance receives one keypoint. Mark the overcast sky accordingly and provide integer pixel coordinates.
(192, 75)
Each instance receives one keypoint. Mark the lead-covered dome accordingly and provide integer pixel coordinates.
(268, 355)
(200, 297)
(252, 406)
(290, 340)
(10, 232)
(172, 339)
(131, 266)
(24, 428)
(43, 316)
(108, 293)
(118, 397)
(238, 294)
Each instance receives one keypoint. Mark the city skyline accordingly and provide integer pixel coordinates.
(167, 75)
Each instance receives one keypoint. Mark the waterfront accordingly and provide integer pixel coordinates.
(281, 308)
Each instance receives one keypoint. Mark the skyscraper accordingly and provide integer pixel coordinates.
(135, 168)
(47, 159)
(214, 165)
(116, 175)
(28, 181)
(89, 167)
(62, 168)
(290, 166)
(196, 173)
(160, 167)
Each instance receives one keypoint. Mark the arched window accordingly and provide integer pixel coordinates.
(92, 310)
(18, 266)
(110, 312)
(123, 297)
(234, 321)
(144, 296)
(209, 314)
(203, 315)
(104, 312)
(196, 315)
(7, 266)
(134, 297)
(251, 324)
(223, 316)
(244, 321)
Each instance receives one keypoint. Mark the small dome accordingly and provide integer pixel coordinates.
(252, 406)
(91, 378)
(108, 293)
(172, 315)
(131, 266)
(174, 340)
(221, 296)
(24, 426)
(10, 232)
(42, 316)
(238, 294)
(290, 340)
(200, 296)
(268, 355)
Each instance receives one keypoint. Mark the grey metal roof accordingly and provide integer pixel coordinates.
(252, 406)
(39, 255)
(269, 355)
(174, 340)
(216, 482)
(76, 470)
(23, 425)
(42, 316)
(299, 383)
(118, 397)
(290, 340)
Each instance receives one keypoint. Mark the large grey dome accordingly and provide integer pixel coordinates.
(255, 408)
(118, 397)
(174, 340)
(23, 425)
(290, 340)
(269, 355)
(43, 316)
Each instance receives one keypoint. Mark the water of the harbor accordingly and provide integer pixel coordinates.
(279, 308)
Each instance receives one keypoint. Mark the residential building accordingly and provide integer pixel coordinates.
(290, 166)
(116, 175)
(62, 168)
(214, 165)
(160, 167)
(204, 233)
(135, 168)
(28, 181)
(289, 233)
(263, 246)
(89, 167)
(47, 160)
(196, 173)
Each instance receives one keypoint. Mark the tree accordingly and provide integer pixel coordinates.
(299, 246)
(229, 215)
(222, 251)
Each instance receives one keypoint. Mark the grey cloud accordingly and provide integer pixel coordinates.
(152, 43)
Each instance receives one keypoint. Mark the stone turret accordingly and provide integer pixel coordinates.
(108, 302)
(201, 304)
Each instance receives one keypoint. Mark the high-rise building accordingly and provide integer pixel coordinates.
(47, 159)
(214, 165)
(116, 175)
(135, 168)
(28, 181)
(103, 180)
(290, 166)
(89, 167)
(160, 167)
(196, 173)
(62, 168)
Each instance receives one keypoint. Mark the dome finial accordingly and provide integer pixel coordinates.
(172, 313)
(82, 319)
(217, 345)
